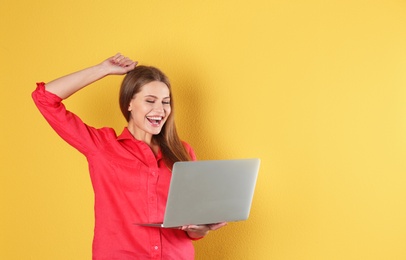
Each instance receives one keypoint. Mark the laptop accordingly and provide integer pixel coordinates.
(206, 192)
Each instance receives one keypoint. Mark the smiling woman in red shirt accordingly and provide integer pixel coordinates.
(130, 172)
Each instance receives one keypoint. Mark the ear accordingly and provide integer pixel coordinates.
(129, 107)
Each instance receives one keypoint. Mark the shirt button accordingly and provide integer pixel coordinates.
(153, 173)
(156, 247)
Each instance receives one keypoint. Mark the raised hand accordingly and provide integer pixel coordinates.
(119, 64)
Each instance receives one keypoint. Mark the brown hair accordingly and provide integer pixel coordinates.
(168, 140)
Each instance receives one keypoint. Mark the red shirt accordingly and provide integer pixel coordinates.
(130, 185)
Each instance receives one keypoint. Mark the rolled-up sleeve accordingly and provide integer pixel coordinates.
(65, 123)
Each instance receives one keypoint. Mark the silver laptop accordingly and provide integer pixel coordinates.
(205, 192)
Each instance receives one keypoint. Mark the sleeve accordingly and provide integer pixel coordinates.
(66, 124)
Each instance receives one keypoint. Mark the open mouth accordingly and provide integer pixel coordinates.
(155, 120)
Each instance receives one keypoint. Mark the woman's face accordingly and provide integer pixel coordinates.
(149, 109)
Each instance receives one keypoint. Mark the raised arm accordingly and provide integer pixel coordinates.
(69, 84)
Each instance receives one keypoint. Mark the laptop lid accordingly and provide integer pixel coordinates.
(205, 192)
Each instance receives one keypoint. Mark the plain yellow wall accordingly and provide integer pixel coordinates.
(316, 89)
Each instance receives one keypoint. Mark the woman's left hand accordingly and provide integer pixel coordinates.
(198, 231)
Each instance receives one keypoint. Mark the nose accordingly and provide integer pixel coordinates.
(159, 107)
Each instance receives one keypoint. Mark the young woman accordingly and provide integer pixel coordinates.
(130, 172)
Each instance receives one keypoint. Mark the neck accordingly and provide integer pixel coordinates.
(140, 135)
(144, 137)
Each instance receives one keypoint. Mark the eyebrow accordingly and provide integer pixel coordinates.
(155, 96)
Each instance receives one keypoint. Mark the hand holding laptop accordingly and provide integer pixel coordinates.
(197, 231)
(206, 192)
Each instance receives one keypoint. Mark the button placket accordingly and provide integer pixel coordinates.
(152, 195)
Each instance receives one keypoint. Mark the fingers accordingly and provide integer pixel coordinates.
(208, 227)
(192, 228)
(217, 225)
(196, 231)
(122, 61)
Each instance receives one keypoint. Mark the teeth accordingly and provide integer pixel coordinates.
(155, 117)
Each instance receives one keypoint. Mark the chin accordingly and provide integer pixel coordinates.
(156, 132)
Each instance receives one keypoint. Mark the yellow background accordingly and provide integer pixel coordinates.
(314, 88)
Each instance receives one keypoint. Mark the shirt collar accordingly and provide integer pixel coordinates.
(126, 135)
